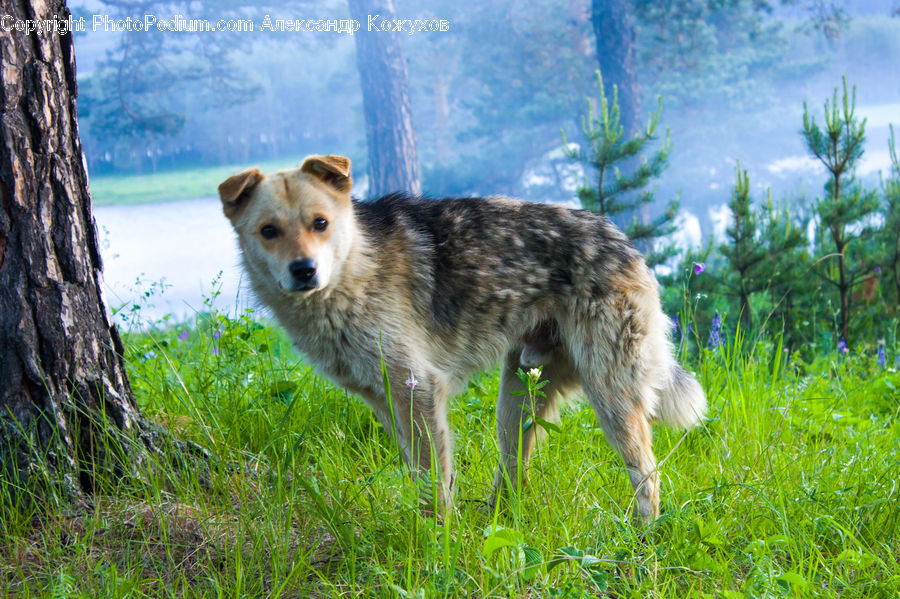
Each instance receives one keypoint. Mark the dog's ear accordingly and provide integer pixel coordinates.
(332, 170)
(233, 191)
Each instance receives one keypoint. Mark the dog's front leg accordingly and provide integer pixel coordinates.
(418, 424)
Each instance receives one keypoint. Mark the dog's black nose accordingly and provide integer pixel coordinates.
(303, 271)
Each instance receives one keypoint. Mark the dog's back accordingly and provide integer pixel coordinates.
(477, 265)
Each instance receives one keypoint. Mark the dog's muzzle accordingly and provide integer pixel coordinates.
(303, 273)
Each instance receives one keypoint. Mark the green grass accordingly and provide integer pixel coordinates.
(170, 186)
(789, 489)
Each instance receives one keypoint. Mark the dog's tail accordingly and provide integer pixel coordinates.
(682, 402)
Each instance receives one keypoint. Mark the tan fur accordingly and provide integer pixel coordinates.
(452, 286)
(232, 188)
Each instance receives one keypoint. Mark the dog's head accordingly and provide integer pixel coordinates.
(295, 227)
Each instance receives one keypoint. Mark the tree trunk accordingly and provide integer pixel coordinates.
(616, 52)
(746, 316)
(390, 137)
(64, 393)
(844, 288)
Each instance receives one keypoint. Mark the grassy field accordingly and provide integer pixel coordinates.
(789, 489)
(170, 186)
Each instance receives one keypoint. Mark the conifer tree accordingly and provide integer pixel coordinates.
(784, 238)
(742, 250)
(845, 207)
(614, 193)
(763, 251)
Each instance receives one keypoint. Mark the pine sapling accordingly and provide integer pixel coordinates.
(621, 196)
(762, 248)
(844, 209)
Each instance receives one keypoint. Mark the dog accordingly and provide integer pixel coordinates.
(433, 290)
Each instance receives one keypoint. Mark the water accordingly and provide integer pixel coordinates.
(173, 252)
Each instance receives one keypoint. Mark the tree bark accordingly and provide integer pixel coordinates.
(390, 136)
(837, 236)
(746, 315)
(64, 393)
(844, 288)
(616, 53)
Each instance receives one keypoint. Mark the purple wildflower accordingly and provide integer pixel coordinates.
(215, 350)
(715, 333)
(184, 335)
(842, 346)
(882, 356)
(877, 270)
(217, 334)
(411, 382)
(699, 267)
(678, 329)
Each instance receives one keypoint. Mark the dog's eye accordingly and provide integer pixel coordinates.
(320, 224)
(268, 232)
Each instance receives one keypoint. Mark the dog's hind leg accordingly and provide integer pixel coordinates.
(517, 428)
(620, 410)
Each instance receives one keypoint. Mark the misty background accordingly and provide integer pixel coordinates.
(489, 99)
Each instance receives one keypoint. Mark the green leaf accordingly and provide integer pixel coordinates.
(533, 561)
(564, 555)
(700, 560)
(500, 537)
(601, 579)
(590, 561)
(858, 559)
(492, 544)
(795, 580)
(777, 540)
(548, 426)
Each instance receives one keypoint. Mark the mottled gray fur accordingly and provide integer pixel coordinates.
(456, 285)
